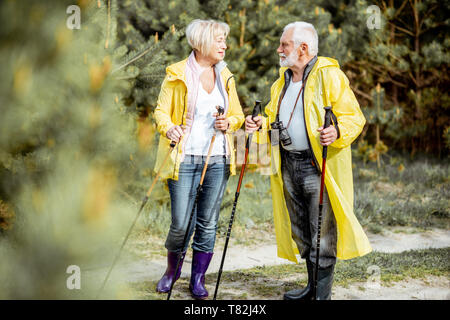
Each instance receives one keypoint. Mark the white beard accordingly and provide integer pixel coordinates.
(290, 60)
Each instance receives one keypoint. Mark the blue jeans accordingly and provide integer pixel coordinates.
(301, 186)
(206, 214)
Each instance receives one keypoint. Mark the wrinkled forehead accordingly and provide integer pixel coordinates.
(220, 36)
(287, 35)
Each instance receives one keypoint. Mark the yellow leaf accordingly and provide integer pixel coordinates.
(63, 37)
(95, 115)
(97, 74)
(22, 77)
(97, 197)
(51, 143)
(249, 185)
(378, 88)
(6, 216)
(330, 28)
(83, 3)
(145, 133)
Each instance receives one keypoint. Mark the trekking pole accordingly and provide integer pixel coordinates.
(256, 111)
(220, 111)
(144, 201)
(322, 184)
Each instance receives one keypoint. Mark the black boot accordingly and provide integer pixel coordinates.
(305, 293)
(325, 282)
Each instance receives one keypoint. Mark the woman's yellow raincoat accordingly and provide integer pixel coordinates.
(326, 82)
(171, 111)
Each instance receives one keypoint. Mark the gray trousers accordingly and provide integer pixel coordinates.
(301, 187)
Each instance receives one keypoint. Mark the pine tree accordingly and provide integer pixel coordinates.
(65, 148)
(255, 29)
(409, 57)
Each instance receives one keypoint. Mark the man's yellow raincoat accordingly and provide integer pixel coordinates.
(171, 111)
(326, 84)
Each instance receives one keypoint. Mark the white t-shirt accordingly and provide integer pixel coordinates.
(203, 125)
(296, 130)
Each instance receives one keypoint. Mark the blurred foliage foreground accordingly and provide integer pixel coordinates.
(65, 149)
(75, 163)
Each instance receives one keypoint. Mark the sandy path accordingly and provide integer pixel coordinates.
(244, 257)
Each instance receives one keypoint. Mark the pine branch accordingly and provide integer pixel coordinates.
(402, 29)
(108, 27)
(140, 55)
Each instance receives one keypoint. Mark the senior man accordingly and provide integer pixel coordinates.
(294, 125)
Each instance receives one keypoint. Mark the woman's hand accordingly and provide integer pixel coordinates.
(222, 123)
(175, 133)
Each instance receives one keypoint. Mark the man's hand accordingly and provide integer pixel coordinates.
(222, 123)
(175, 133)
(328, 135)
(250, 125)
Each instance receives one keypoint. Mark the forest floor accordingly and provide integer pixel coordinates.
(405, 213)
(406, 263)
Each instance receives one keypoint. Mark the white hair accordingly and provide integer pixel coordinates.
(201, 34)
(304, 32)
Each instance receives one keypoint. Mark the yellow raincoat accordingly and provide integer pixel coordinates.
(326, 82)
(171, 111)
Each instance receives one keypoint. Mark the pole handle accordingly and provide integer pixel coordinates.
(327, 117)
(256, 109)
(326, 124)
(220, 110)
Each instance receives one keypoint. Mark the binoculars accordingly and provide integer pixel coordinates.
(285, 139)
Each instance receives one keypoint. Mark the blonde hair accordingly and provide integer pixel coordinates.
(201, 34)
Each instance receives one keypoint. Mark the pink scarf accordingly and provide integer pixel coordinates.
(193, 72)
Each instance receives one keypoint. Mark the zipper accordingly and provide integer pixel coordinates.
(178, 144)
(306, 128)
(228, 146)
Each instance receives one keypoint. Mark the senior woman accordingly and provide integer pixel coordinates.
(186, 114)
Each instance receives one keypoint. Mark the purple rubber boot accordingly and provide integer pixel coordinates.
(200, 263)
(166, 280)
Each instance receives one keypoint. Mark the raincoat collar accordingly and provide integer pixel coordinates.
(315, 63)
(288, 73)
(177, 71)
